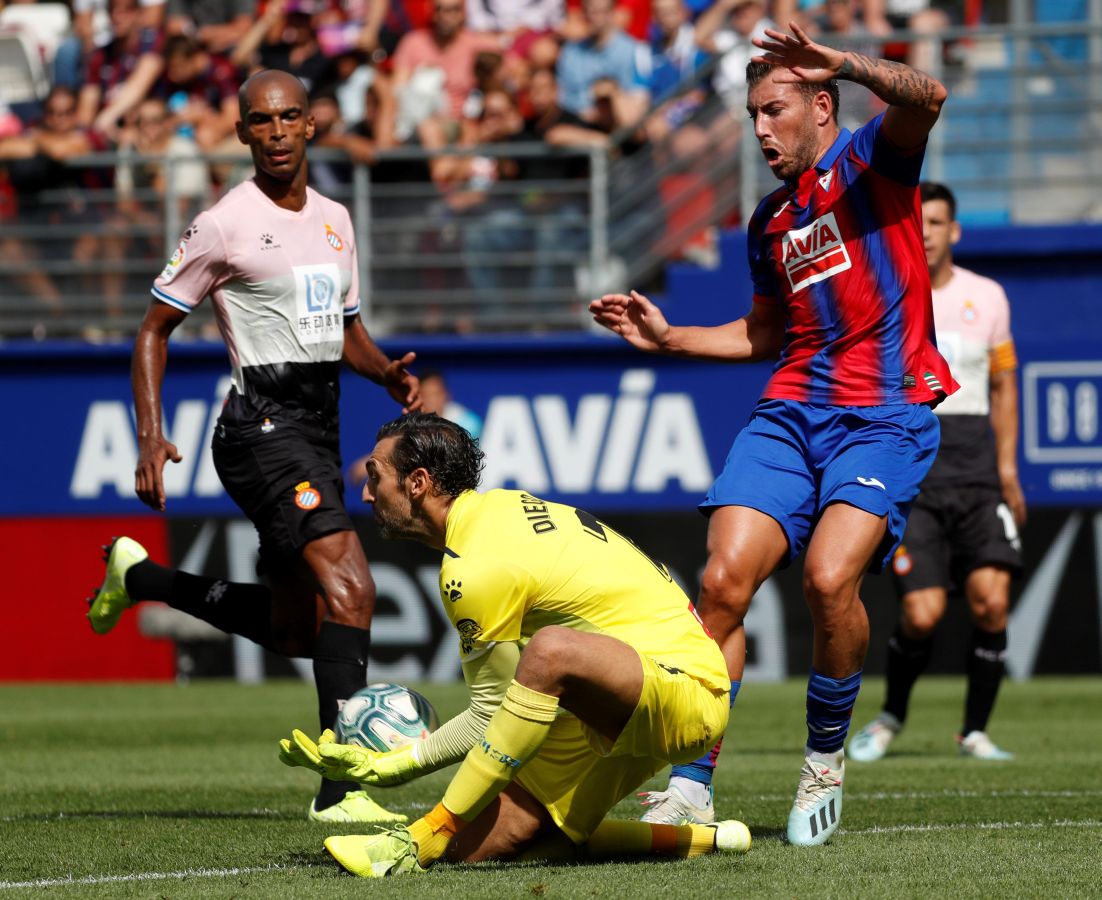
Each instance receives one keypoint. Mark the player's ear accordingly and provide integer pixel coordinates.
(823, 108)
(309, 128)
(420, 483)
(242, 133)
(954, 232)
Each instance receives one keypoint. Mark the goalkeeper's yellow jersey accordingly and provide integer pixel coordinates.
(514, 563)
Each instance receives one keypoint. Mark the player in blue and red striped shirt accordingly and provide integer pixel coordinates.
(844, 431)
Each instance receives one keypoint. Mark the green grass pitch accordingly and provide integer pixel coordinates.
(164, 791)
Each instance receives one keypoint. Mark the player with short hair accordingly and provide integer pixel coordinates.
(588, 668)
(834, 452)
(279, 261)
(963, 531)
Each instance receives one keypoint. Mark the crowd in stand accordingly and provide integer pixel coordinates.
(150, 77)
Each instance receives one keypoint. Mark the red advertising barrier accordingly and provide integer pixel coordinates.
(53, 564)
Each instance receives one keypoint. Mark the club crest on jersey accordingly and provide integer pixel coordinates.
(902, 562)
(825, 181)
(306, 497)
(968, 312)
(333, 238)
(814, 253)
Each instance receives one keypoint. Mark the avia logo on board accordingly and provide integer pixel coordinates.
(636, 440)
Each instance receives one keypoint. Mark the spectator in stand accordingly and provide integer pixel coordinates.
(434, 73)
(675, 56)
(844, 25)
(217, 24)
(529, 30)
(120, 74)
(728, 29)
(91, 30)
(546, 223)
(285, 38)
(608, 57)
(919, 16)
(36, 161)
(200, 89)
(331, 130)
(142, 182)
(153, 134)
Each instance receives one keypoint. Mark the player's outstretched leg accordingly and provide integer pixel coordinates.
(111, 599)
(817, 810)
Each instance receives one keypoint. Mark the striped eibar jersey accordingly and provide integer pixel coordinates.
(841, 250)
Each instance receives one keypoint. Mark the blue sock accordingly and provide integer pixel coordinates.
(701, 770)
(829, 708)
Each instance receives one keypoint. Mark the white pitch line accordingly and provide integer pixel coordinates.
(935, 795)
(146, 876)
(983, 826)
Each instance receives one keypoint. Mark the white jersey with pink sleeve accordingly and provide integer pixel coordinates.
(972, 320)
(282, 283)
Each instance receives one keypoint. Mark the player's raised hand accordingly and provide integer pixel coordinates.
(634, 318)
(802, 57)
(403, 385)
(369, 766)
(149, 482)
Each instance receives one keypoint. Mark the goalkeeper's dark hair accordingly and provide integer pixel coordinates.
(757, 71)
(933, 190)
(445, 450)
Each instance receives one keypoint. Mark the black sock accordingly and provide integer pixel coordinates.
(232, 607)
(986, 667)
(907, 659)
(340, 669)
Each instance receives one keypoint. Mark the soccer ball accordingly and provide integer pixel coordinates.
(384, 717)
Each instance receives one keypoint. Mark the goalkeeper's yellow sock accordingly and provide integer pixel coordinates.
(615, 838)
(513, 737)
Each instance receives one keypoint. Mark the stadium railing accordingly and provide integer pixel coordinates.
(1020, 141)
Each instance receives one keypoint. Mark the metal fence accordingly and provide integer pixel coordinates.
(1020, 141)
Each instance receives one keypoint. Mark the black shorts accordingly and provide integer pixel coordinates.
(286, 477)
(952, 532)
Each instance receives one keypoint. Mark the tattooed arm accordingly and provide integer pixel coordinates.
(914, 99)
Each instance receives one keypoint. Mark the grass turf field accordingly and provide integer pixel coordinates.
(164, 791)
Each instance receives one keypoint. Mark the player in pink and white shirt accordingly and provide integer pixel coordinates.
(962, 534)
(279, 263)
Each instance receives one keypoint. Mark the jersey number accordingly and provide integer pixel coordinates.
(595, 528)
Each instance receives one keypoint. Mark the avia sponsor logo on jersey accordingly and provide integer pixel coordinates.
(814, 253)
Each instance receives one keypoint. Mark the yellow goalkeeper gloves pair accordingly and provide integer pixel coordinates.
(345, 762)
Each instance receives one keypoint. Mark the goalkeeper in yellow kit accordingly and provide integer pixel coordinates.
(588, 669)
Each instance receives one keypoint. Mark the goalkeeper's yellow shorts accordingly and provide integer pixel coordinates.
(578, 776)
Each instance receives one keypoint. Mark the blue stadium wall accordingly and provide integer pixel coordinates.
(586, 420)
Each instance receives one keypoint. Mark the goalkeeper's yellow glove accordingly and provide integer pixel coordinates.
(300, 750)
(369, 766)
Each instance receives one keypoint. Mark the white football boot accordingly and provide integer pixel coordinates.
(873, 741)
(818, 808)
(672, 807)
(977, 745)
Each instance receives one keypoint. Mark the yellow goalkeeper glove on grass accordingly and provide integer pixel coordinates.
(368, 766)
(300, 750)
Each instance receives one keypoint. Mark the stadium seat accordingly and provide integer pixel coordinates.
(46, 24)
(22, 76)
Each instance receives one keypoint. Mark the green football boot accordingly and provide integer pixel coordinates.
(111, 600)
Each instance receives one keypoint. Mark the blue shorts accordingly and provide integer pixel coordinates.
(792, 460)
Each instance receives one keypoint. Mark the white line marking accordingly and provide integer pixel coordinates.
(947, 794)
(148, 876)
(963, 826)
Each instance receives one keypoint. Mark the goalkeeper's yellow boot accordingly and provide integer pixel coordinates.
(376, 855)
(111, 600)
(356, 806)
